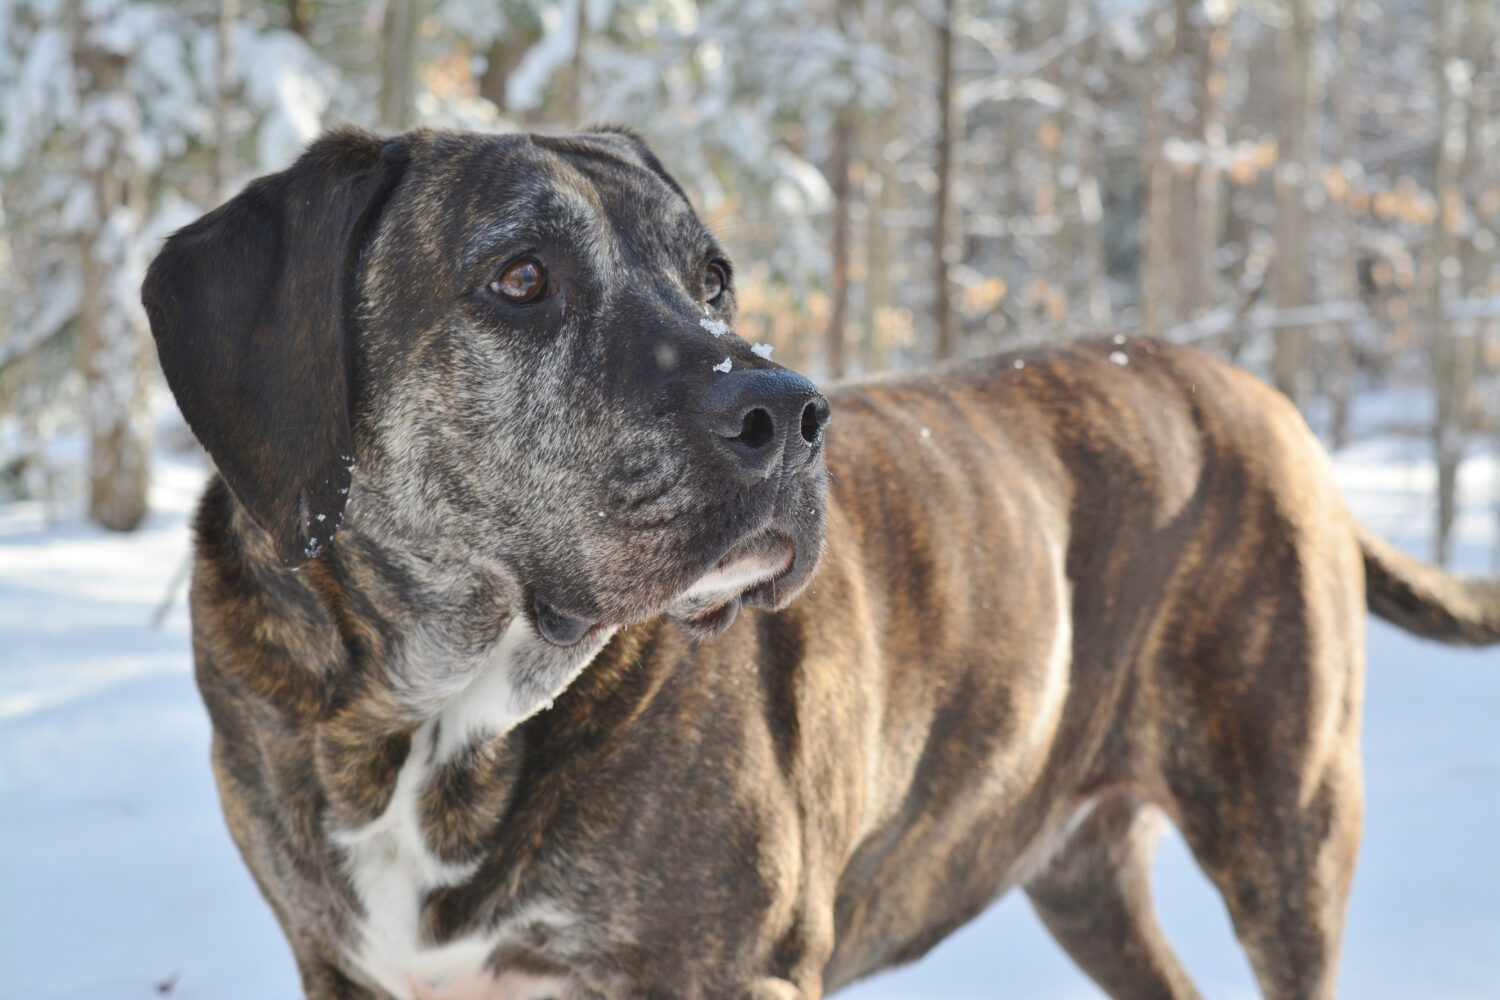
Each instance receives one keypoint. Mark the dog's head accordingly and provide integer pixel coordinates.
(512, 351)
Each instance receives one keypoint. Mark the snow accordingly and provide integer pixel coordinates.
(717, 327)
(724, 366)
(526, 86)
(801, 186)
(286, 83)
(761, 351)
(117, 874)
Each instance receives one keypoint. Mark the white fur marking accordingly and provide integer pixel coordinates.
(490, 703)
(392, 869)
(1043, 721)
(1040, 852)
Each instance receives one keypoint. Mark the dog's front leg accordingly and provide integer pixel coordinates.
(322, 980)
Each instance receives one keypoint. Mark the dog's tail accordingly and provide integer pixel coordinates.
(1427, 601)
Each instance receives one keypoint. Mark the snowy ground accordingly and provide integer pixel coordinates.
(118, 881)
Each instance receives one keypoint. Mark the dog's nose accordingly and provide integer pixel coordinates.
(766, 418)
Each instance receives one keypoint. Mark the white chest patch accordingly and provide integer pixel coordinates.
(392, 869)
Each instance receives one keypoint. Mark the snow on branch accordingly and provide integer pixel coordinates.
(58, 308)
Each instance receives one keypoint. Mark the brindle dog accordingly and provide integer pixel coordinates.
(1062, 593)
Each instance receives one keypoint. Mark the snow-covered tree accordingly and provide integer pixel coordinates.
(107, 142)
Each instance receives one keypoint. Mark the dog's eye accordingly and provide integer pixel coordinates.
(713, 283)
(523, 281)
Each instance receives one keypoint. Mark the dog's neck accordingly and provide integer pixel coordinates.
(427, 739)
(383, 653)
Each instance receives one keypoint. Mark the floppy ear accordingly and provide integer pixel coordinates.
(250, 307)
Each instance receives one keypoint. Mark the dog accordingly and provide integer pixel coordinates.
(558, 646)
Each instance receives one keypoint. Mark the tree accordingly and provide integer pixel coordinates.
(1460, 44)
(112, 340)
(838, 170)
(943, 317)
(117, 114)
(398, 75)
(1289, 273)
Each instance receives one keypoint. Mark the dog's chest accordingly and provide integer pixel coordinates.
(393, 869)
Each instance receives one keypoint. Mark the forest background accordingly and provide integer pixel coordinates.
(1310, 188)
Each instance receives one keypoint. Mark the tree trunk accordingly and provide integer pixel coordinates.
(1288, 281)
(1090, 201)
(1169, 262)
(838, 169)
(229, 12)
(1447, 438)
(1346, 283)
(1049, 205)
(112, 346)
(1213, 50)
(880, 199)
(501, 60)
(1012, 199)
(398, 78)
(579, 69)
(1461, 34)
(944, 318)
(297, 20)
(1189, 259)
(839, 291)
(1484, 175)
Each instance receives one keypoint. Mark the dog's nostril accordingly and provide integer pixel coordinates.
(813, 421)
(757, 429)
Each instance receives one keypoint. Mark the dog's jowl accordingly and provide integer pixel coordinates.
(558, 646)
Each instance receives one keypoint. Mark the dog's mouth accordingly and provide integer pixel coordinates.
(764, 563)
(763, 556)
(766, 570)
(762, 571)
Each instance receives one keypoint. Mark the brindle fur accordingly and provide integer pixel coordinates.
(1060, 597)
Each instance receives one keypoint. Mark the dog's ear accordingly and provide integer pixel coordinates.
(629, 139)
(250, 307)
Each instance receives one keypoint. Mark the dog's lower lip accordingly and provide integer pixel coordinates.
(762, 593)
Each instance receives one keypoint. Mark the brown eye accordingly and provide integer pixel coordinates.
(713, 283)
(523, 281)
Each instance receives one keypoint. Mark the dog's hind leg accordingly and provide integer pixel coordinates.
(1285, 881)
(1262, 763)
(1094, 895)
(1283, 863)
